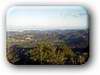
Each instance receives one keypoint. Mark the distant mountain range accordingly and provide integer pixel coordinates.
(76, 39)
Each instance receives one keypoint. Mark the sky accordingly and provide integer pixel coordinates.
(19, 18)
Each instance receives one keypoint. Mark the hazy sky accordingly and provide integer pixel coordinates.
(46, 18)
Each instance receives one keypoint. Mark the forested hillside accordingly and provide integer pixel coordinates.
(48, 46)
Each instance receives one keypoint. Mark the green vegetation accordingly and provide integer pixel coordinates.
(42, 50)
